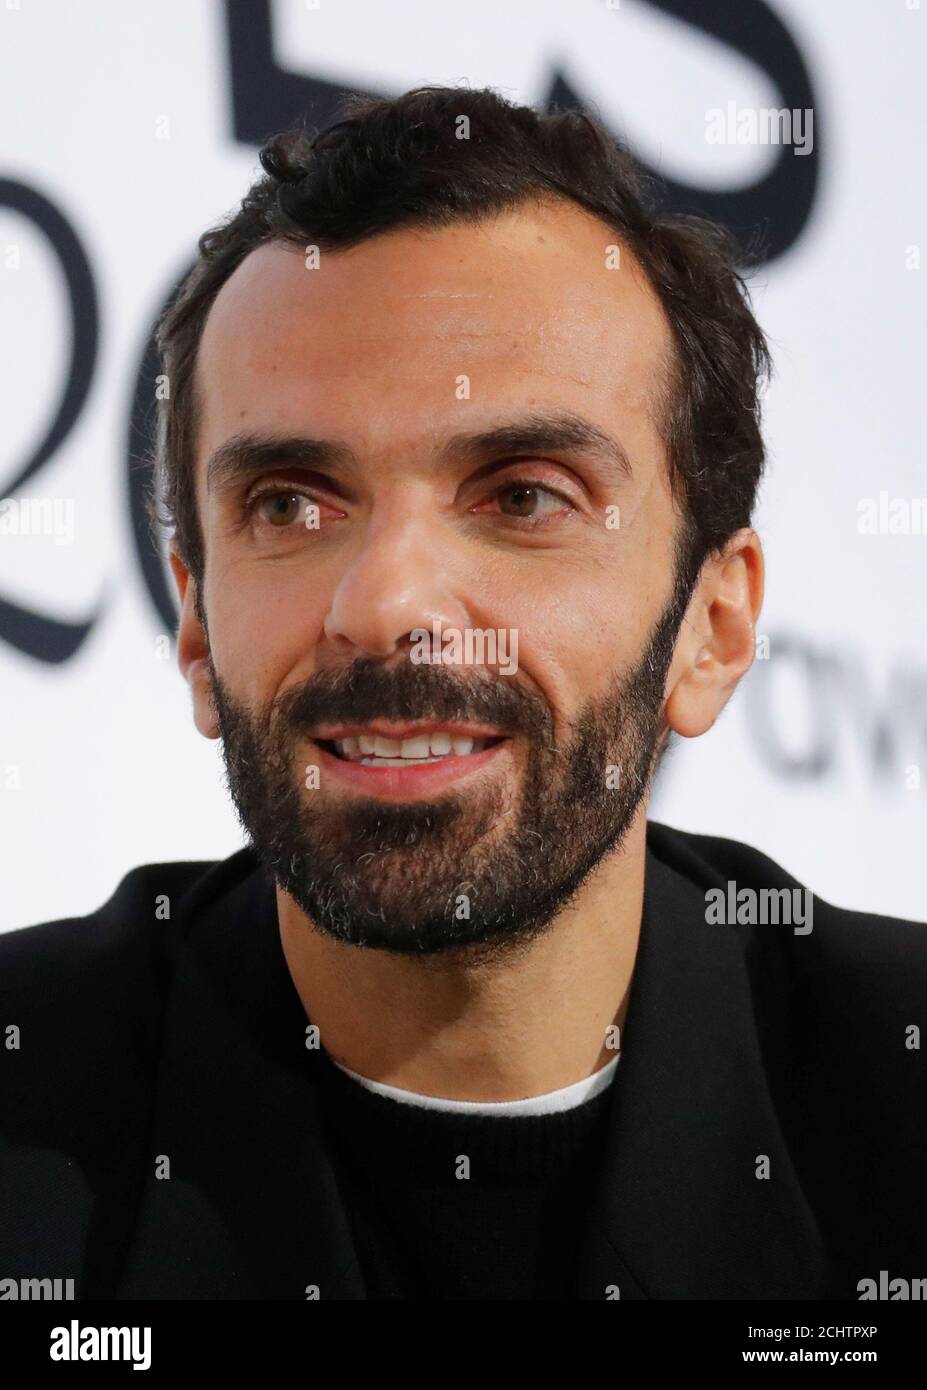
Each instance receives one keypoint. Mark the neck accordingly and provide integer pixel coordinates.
(516, 1026)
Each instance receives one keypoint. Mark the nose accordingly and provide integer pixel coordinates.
(400, 577)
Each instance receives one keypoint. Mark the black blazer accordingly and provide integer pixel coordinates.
(141, 1037)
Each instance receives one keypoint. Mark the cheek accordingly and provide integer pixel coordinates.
(263, 624)
(578, 625)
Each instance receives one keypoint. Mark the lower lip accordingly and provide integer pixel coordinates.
(404, 783)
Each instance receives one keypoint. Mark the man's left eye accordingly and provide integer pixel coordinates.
(524, 500)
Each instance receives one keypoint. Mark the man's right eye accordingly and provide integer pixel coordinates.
(280, 508)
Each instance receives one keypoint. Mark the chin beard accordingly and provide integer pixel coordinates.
(483, 870)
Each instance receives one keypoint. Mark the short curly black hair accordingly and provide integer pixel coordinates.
(398, 163)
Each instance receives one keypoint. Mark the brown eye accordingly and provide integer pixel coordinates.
(526, 499)
(280, 509)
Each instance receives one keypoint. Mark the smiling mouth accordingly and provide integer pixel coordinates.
(420, 750)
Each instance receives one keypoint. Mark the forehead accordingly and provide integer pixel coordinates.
(533, 307)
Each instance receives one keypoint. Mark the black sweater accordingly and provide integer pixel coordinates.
(447, 1205)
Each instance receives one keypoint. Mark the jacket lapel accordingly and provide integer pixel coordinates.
(679, 1212)
(251, 1208)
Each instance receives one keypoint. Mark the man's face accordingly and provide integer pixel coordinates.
(539, 562)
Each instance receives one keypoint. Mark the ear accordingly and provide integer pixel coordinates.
(193, 649)
(717, 638)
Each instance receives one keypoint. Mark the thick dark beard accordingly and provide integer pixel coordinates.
(429, 878)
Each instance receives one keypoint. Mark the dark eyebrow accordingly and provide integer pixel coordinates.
(246, 455)
(544, 431)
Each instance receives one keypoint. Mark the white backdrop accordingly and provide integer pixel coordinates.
(117, 119)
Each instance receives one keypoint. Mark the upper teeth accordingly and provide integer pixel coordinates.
(437, 744)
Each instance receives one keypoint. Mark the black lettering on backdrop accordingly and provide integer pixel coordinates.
(887, 726)
(763, 708)
(779, 205)
(267, 97)
(34, 634)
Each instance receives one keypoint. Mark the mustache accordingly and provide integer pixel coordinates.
(369, 690)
